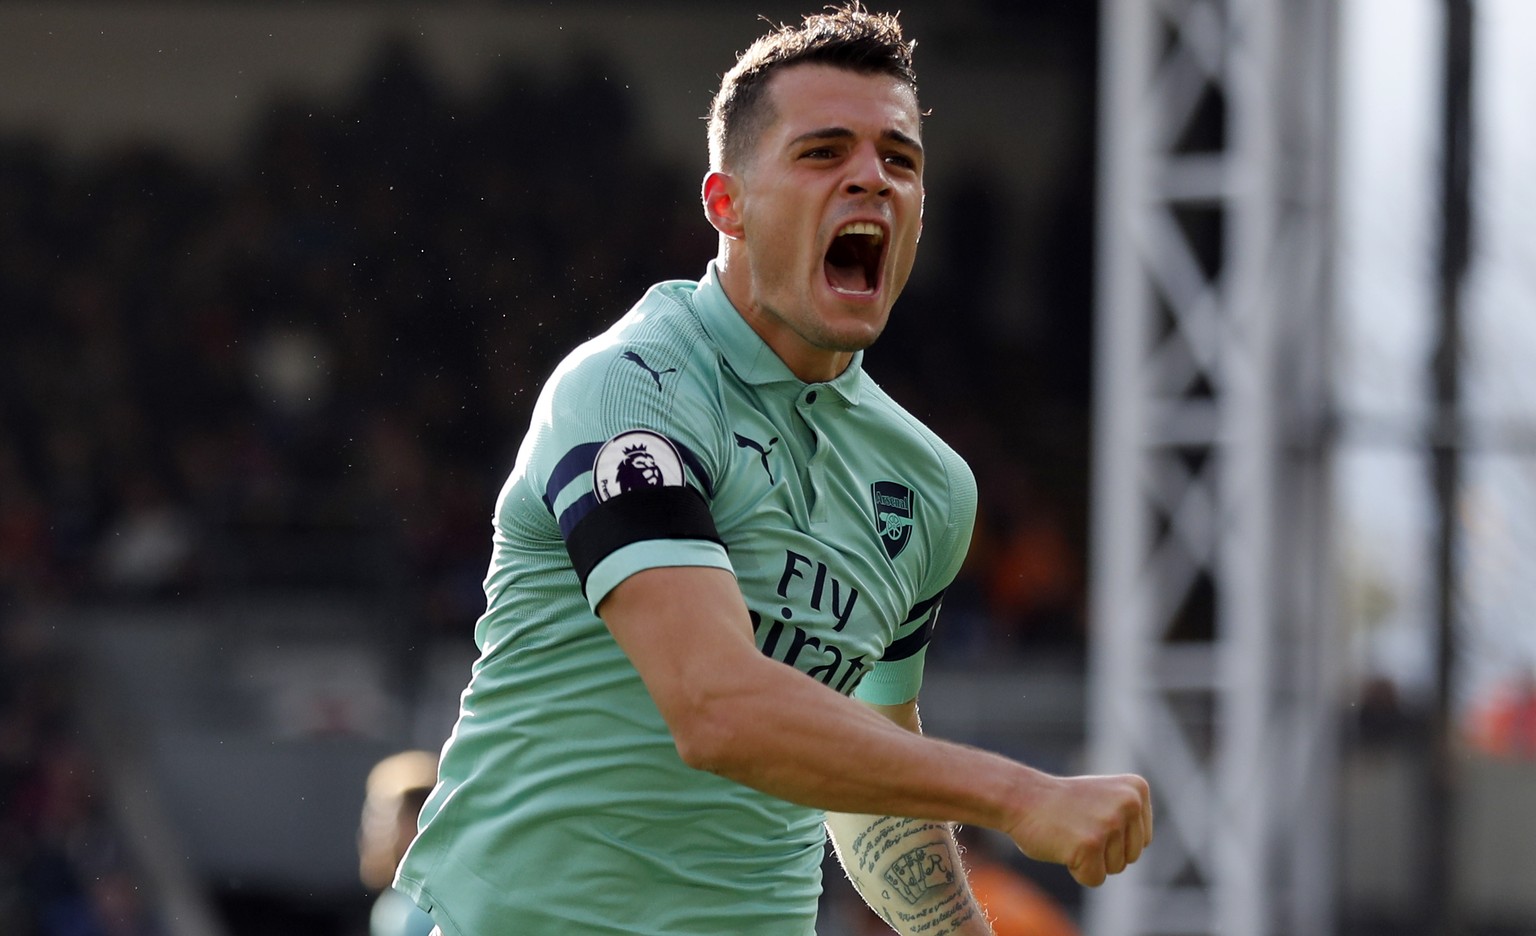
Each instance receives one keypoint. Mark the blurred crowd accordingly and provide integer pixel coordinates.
(65, 866)
(306, 370)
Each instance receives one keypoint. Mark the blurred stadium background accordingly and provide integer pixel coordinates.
(1257, 450)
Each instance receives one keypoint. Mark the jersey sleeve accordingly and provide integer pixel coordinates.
(898, 675)
(627, 459)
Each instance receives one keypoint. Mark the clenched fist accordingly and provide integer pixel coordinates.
(1093, 825)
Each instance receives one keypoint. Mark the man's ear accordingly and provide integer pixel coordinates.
(720, 206)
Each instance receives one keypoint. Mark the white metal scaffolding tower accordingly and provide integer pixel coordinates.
(1213, 655)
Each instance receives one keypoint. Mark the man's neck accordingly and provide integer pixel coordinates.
(810, 364)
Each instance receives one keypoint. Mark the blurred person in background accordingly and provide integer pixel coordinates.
(396, 788)
(658, 730)
(1503, 722)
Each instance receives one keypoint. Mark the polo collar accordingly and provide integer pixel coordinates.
(746, 352)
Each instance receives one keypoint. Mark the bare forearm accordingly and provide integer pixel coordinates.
(739, 714)
(795, 739)
(909, 872)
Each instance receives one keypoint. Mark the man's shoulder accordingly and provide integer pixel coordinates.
(665, 309)
(898, 423)
(659, 340)
(652, 370)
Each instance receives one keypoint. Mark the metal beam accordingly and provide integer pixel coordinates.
(1441, 915)
(1210, 655)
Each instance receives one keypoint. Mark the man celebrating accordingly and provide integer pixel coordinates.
(718, 561)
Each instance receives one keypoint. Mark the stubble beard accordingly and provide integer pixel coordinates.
(814, 333)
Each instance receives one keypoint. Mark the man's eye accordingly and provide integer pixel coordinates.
(820, 152)
(897, 159)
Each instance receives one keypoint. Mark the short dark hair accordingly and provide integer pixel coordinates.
(848, 37)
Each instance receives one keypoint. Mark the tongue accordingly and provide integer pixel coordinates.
(847, 277)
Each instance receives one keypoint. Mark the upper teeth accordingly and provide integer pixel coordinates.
(863, 227)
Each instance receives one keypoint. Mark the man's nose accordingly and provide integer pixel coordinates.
(867, 173)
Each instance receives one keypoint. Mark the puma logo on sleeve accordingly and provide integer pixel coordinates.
(656, 375)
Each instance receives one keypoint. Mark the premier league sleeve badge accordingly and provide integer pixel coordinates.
(633, 460)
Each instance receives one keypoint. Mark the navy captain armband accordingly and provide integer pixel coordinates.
(634, 517)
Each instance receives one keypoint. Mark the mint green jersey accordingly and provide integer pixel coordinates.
(677, 438)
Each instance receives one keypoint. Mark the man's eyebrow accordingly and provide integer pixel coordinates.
(841, 133)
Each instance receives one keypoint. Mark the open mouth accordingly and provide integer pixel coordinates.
(853, 259)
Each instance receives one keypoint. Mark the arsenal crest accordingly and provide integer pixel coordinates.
(893, 503)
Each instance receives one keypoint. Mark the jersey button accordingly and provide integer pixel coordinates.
(810, 397)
